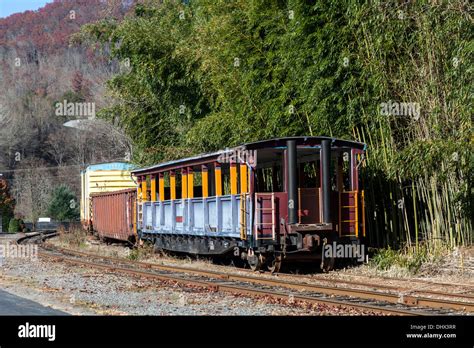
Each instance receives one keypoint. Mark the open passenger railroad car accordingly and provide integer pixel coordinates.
(264, 202)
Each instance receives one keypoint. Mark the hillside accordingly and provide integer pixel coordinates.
(39, 68)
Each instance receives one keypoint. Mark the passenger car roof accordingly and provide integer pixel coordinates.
(309, 141)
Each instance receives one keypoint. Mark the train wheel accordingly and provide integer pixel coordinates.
(255, 262)
(274, 264)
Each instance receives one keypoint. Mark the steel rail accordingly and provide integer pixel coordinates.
(403, 280)
(405, 299)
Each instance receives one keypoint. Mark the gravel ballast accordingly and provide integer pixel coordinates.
(84, 291)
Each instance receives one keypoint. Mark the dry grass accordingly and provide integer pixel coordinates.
(459, 262)
(444, 265)
(143, 252)
(76, 237)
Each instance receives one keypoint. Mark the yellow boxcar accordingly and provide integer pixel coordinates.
(103, 177)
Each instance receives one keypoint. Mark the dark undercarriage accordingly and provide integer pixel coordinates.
(308, 247)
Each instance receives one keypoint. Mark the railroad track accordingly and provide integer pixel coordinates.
(466, 293)
(351, 298)
(37, 237)
(466, 289)
(462, 290)
(378, 301)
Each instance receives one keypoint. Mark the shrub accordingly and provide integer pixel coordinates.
(141, 252)
(63, 206)
(14, 226)
(410, 259)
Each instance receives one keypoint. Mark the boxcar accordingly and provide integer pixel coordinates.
(264, 202)
(103, 177)
(113, 214)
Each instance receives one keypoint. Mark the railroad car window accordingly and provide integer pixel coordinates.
(347, 174)
(148, 187)
(310, 174)
(166, 178)
(225, 167)
(262, 180)
(211, 180)
(179, 183)
(277, 179)
(197, 188)
(269, 179)
(345, 170)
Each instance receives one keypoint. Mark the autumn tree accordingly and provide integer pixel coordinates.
(81, 86)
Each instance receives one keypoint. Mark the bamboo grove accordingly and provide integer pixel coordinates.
(205, 74)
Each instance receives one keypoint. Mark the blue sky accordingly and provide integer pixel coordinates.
(8, 7)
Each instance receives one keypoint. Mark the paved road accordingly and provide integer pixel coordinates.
(14, 305)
